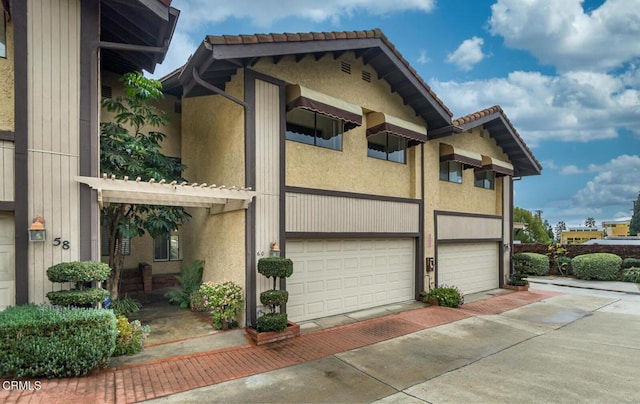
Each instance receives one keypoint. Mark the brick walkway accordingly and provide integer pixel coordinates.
(173, 375)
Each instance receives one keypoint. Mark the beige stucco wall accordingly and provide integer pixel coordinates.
(7, 81)
(350, 169)
(213, 150)
(453, 197)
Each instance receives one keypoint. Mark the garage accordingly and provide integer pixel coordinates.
(339, 276)
(472, 267)
(7, 261)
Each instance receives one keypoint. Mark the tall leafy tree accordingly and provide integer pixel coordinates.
(548, 229)
(128, 148)
(590, 222)
(560, 227)
(634, 226)
(534, 231)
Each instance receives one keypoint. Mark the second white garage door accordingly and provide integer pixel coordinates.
(339, 276)
(472, 267)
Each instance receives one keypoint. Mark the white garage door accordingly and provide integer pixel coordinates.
(7, 261)
(472, 267)
(339, 276)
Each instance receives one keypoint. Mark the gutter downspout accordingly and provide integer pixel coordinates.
(217, 90)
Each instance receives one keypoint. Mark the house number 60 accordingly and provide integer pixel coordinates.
(65, 244)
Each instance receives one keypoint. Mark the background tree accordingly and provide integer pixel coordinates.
(590, 222)
(549, 229)
(634, 226)
(125, 150)
(560, 227)
(534, 230)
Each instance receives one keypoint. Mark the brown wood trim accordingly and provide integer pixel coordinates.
(467, 161)
(465, 214)
(21, 161)
(349, 119)
(89, 128)
(250, 181)
(420, 255)
(353, 195)
(7, 206)
(316, 235)
(396, 130)
(7, 135)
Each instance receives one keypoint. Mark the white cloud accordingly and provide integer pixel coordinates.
(265, 12)
(570, 170)
(616, 183)
(573, 106)
(423, 59)
(561, 33)
(468, 54)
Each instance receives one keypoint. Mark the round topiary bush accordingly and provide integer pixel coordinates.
(78, 298)
(597, 266)
(85, 271)
(531, 263)
(274, 297)
(272, 322)
(275, 267)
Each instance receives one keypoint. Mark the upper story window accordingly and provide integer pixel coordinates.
(3, 34)
(485, 179)
(386, 146)
(315, 129)
(451, 171)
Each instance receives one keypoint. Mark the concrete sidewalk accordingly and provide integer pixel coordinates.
(611, 286)
(169, 376)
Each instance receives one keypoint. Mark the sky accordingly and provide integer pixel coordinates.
(565, 72)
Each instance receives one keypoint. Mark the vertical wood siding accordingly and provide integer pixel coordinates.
(267, 200)
(507, 225)
(54, 93)
(334, 214)
(452, 227)
(6, 171)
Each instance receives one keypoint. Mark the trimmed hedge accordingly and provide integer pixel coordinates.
(85, 271)
(631, 263)
(274, 297)
(598, 266)
(275, 267)
(76, 297)
(531, 264)
(631, 275)
(45, 341)
(447, 296)
(272, 322)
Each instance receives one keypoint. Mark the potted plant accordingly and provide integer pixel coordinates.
(274, 325)
(517, 282)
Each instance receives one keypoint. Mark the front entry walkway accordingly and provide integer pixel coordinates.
(161, 377)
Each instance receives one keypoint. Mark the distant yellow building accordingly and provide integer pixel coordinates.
(579, 235)
(616, 228)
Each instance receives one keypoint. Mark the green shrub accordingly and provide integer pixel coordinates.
(531, 263)
(76, 297)
(631, 263)
(125, 305)
(275, 267)
(223, 299)
(272, 322)
(564, 265)
(45, 341)
(85, 271)
(631, 275)
(274, 297)
(131, 336)
(447, 296)
(190, 278)
(599, 266)
(518, 279)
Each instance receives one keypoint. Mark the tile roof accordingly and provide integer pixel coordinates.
(496, 109)
(375, 33)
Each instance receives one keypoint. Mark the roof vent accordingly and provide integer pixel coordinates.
(366, 76)
(345, 67)
(106, 91)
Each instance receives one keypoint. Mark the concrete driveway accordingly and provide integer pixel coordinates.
(570, 348)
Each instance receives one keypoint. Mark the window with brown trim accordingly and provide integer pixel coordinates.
(485, 179)
(386, 146)
(314, 129)
(3, 33)
(451, 171)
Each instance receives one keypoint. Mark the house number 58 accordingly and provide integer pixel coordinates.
(65, 244)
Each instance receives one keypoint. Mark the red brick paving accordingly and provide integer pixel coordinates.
(173, 375)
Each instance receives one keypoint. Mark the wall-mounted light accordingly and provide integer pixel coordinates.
(275, 249)
(507, 247)
(37, 232)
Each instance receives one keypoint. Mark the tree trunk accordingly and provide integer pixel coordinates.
(115, 252)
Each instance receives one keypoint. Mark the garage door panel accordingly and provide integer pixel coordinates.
(339, 276)
(472, 267)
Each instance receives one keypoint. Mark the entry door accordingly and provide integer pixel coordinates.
(7, 261)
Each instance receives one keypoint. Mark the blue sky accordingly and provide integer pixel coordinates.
(566, 73)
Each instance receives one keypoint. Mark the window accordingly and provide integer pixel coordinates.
(167, 248)
(3, 34)
(485, 179)
(104, 243)
(386, 146)
(315, 129)
(451, 171)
